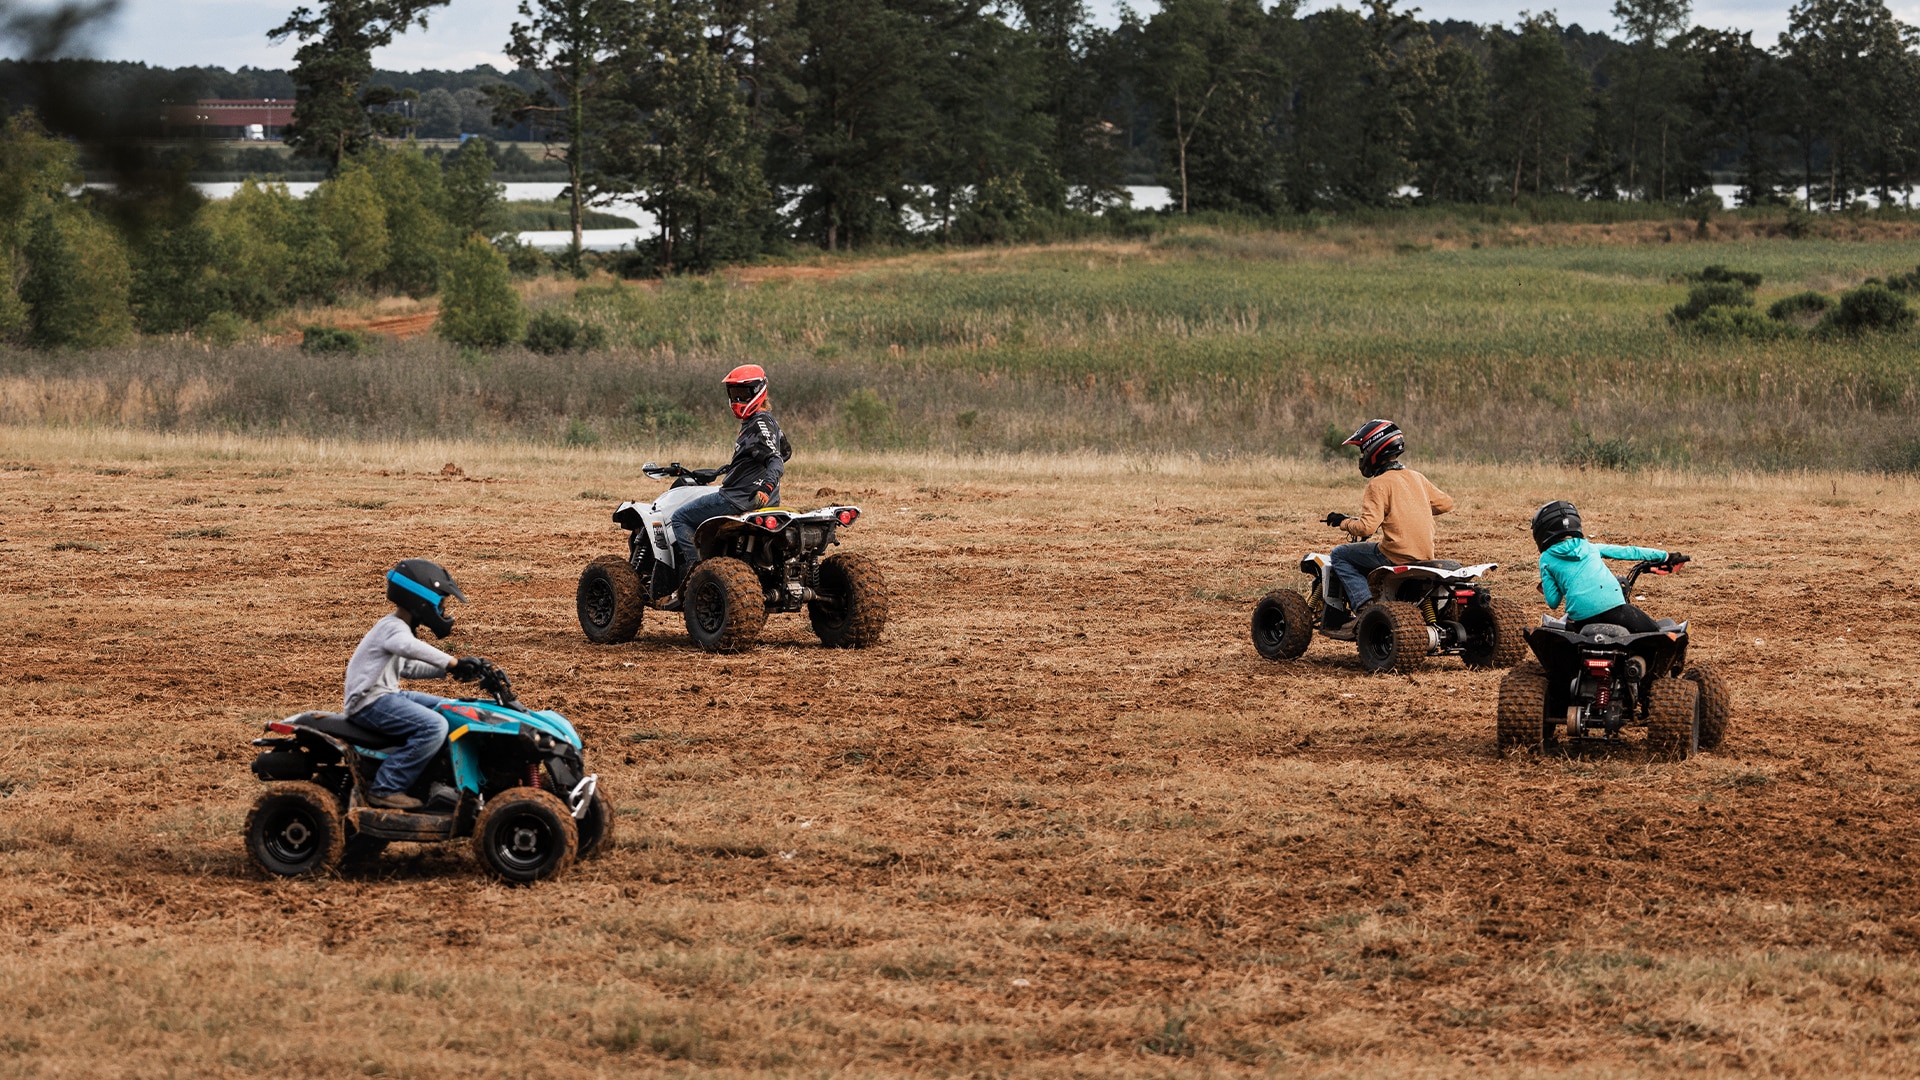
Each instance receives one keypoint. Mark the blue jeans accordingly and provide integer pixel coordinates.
(1351, 562)
(689, 517)
(411, 716)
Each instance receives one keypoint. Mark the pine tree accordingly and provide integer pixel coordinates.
(480, 308)
(336, 114)
(1539, 106)
(566, 43)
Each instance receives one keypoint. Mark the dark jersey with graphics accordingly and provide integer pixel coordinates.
(759, 458)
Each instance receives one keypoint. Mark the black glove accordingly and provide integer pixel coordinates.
(466, 669)
(1334, 519)
(706, 476)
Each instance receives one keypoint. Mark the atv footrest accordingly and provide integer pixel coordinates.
(402, 825)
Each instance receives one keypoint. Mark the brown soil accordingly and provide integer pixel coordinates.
(1061, 821)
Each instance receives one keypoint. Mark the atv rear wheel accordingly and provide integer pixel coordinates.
(1522, 712)
(596, 829)
(1716, 704)
(1499, 634)
(1282, 625)
(525, 835)
(610, 601)
(724, 606)
(851, 610)
(294, 829)
(1673, 719)
(1392, 636)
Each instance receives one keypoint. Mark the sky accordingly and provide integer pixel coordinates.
(232, 33)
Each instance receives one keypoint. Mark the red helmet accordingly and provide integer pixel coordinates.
(747, 389)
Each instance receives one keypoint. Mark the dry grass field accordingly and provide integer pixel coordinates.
(1063, 821)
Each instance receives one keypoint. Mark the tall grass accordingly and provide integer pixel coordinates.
(1203, 341)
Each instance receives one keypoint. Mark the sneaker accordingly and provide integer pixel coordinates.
(671, 601)
(396, 800)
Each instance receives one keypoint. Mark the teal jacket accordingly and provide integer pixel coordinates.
(1571, 570)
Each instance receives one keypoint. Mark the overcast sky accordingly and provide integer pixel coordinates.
(230, 33)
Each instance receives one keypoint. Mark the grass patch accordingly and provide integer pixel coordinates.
(211, 532)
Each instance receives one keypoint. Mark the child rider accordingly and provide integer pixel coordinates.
(1399, 505)
(753, 476)
(1571, 570)
(419, 590)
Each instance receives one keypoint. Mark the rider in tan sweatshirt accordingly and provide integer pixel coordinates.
(1399, 507)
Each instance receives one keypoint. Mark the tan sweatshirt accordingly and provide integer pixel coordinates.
(1400, 505)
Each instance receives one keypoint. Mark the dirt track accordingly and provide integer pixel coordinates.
(1063, 821)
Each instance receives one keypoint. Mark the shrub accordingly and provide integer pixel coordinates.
(1866, 309)
(332, 339)
(222, 328)
(1904, 283)
(13, 313)
(479, 308)
(418, 239)
(77, 282)
(552, 332)
(1802, 308)
(1739, 322)
(176, 287)
(1711, 294)
(661, 415)
(349, 210)
(868, 417)
(580, 433)
(1615, 454)
(1719, 273)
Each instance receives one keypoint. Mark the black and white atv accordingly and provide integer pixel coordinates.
(749, 564)
(1432, 608)
(1590, 685)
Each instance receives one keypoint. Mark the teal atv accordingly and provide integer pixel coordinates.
(512, 779)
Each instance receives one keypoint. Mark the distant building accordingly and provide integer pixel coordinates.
(230, 118)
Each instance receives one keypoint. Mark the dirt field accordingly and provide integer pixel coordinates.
(1063, 821)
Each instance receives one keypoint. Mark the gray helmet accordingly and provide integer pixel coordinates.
(421, 587)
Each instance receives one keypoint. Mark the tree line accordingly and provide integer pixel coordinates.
(845, 123)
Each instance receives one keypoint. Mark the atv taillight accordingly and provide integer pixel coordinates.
(280, 728)
(1463, 597)
(848, 516)
(1599, 665)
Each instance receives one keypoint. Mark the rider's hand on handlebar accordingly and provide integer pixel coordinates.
(1335, 519)
(466, 669)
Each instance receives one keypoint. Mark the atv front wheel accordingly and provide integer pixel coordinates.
(852, 606)
(610, 601)
(1498, 634)
(596, 829)
(1716, 704)
(525, 835)
(1673, 719)
(1392, 636)
(1282, 625)
(294, 829)
(1522, 712)
(723, 605)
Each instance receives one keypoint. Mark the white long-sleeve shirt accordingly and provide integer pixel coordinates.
(386, 655)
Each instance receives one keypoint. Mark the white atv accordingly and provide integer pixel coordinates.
(748, 565)
(1422, 609)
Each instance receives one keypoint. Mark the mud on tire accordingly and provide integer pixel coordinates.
(1499, 634)
(1673, 719)
(851, 610)
(1282, 625)
(1522, 713)
(723, 605)
(295, 830)
(1716, 704)
(610, 601)
(525, 835)
(596, 829)
(1392, 636)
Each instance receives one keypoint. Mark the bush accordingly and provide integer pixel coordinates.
(1711, 294)
(332, 339)
(480, 309)
(1866, 309)
(13, 313)
(868, 417)
(348, 209)
(1722, 274)
(1802, 308)
(661, 415)
(1617, 455)
(1739, 322)
(77, 282)
(553, 332)
(1902, 283)
(222, 328)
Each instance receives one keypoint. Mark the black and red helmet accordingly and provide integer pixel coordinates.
(746, 389)
(1380, 443)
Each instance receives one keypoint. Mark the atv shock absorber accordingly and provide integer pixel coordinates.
(1428, 611)
(533, 775)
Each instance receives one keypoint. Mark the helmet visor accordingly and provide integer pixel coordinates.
(742, 392)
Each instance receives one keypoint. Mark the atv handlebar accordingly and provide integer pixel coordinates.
(1660, 567)
(495, 682)
(676, 471)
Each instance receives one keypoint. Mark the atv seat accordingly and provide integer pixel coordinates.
(1666, 624)
(1603, 632)
(1437, 564)
(338, 726)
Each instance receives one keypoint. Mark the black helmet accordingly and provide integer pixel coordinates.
(1380, 442)
(1555, 522)
(421, 587)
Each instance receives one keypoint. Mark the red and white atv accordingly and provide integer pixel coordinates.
(749, 564)
(1432, 608)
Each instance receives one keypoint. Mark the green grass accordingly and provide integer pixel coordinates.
(1206, 340)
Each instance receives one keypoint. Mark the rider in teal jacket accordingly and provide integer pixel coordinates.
(1571, 570)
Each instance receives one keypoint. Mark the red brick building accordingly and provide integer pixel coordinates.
(230, 118)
